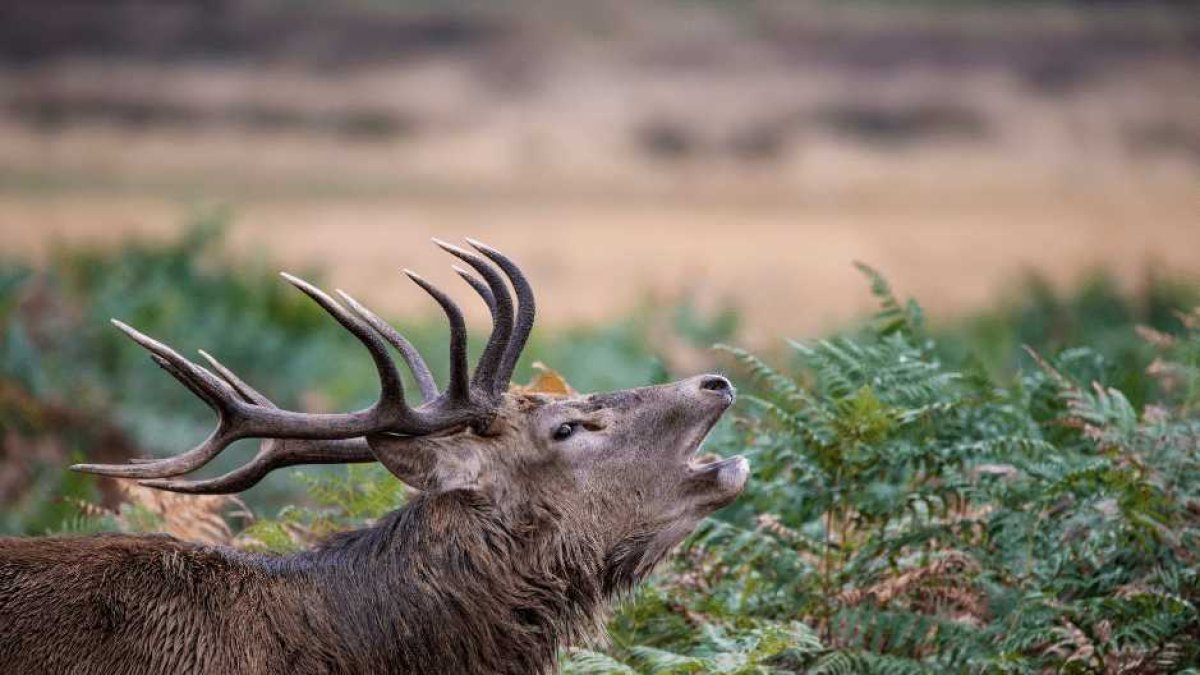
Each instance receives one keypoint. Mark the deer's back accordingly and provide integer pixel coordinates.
(122, 604)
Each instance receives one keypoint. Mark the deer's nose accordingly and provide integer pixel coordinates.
(717, 384)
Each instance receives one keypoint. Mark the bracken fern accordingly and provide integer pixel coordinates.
(910, 513)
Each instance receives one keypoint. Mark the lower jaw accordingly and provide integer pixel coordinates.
(732, 472)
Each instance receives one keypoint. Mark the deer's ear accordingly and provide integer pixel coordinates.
(427, 464)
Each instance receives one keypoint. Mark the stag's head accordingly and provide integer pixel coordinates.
(622, 466)
(619, 467)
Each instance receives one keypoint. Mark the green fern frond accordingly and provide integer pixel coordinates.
(588, 662)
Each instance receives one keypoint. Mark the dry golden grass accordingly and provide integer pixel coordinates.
(549, 161)
(786, 266)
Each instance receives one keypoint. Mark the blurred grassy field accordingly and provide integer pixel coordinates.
(739, 155)
(786, 267)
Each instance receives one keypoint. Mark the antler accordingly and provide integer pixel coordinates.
(274, 453)
(311, 438)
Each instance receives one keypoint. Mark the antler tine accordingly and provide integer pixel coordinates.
(458, 386)
(249, 394)
(187, 382)
(200, 382)
(526, 310)
(205, 385)
(274, 454)
(408, 352)
(480, 288)
(199, 393)
(502, 319)
(389, 378)
(158, 468)
(229, 377)
(216, 442)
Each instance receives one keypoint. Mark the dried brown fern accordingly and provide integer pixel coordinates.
(197, 518)
(943, 587)
(202, 519)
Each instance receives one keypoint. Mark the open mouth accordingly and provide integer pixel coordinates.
(731, 473)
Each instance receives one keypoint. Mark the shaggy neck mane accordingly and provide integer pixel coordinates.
(449, 580)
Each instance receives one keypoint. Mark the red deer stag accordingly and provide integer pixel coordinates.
(533, 511)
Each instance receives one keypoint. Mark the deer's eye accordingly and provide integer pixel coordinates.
(564, 431)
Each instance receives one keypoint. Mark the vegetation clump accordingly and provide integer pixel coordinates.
(911, 513)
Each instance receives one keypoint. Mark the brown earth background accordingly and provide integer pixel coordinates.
(741, 153)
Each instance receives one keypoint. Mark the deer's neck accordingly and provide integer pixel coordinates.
(448, 585)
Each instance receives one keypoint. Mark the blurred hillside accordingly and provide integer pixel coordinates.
(744, 152)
